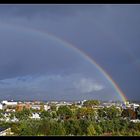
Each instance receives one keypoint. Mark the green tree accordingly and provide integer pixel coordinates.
(83, 124)
(1, 114)
(53, 107)
(138, 113)
(90, 113)
(54, 114)
(29, 127)
(15, 128)
(81, 112)
(64, 112)
(125, 113)
(91, 130)
(72, 127)
(45, 114)
(45, 127)
(57, 128)
(91, 103)
(109, 113)
(24, 114)
(98, 129)
(129, 113)
(12, 115)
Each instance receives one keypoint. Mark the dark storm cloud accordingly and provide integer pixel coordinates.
(55, 87)
(108, 33)
(44, 9)
(28, 53)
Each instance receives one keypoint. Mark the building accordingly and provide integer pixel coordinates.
(135, 121)
(36, 107)
(20, 106)
(126, 103)
(133, 106)
(82, 102)
(14, 120)
(1, 106)
(11, 103)
(5, 131)
(10, 110)
(35, 116)
(46, 107)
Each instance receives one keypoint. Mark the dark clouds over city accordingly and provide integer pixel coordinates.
(35, 66)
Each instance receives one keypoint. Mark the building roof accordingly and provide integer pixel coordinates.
(2, 129)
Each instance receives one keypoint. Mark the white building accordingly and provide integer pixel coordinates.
(10, 110)
(14, 120)
(134, 106)
(5, 132)
(135, 121)
(36, 107)
(82, 102)
(35, 116)
(1, 106)
(46, 107)
(126, 103)
(9, 103)
(6, 115)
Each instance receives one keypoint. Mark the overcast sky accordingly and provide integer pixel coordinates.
(36, 66)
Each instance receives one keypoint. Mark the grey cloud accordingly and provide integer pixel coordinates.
(28, 53)
(108, 33)
(88, 85)
(53, 87)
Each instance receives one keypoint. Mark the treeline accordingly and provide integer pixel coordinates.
(71, 120)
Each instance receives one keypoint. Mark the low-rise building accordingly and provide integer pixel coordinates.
(14, 120)
(10, 110)
(1, 106)
(36, 107)
(135, 121)
(5, 131)
(9, 103)
(46, 107)
(20, 106)
(35, 116)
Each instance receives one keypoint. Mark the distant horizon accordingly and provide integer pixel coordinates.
(67, 100)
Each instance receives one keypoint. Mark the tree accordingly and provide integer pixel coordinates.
(27, 128)
(124, 125)
(1, 114)
(12, 115)
(109, 113)
(60, 130)
(15, 128)
(91, 130)
(72, 127)
(90, 113)
(83, 124)
(125, 113)
(24, 114)
(53, 114)
(129, 113)
(53, 107)
(98, 129)
(45, 127)
(57, 128)
(138, 113)
(101, 114)
(91, 103)
(81, 112)
(64, 112)
(45, 114)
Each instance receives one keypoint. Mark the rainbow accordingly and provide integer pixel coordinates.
(81, 52)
